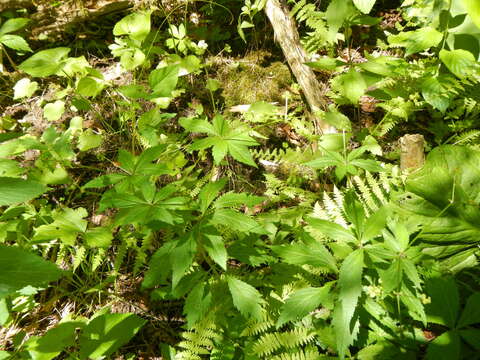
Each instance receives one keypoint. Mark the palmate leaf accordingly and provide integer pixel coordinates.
(350, 283)
(246, 298)
(223, 139)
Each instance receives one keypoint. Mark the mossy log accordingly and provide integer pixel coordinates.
(286, 35)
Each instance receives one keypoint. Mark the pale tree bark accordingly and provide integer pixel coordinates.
(286, 35)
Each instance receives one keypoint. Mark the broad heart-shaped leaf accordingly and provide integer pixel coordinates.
(19, 268)
(15, 42)
(447, 205)
(45, 63)
(14, 190)
(471, 312)
(435, 92)
(460, 62)
(352, 85)
(302, 302)
(12, 25)
(444, 305)
(314, 254)
(105, 333)
(473, 10)
(445, 347)
(24, 88)
(89, 140)
(89, 86)
(246, 298)
(365, 6)
(423, 39)
(54, 111)
(350, 283)
(66, 226)
(136, 26)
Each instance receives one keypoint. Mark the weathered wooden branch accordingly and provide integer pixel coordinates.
(287, 36)
(412, 154)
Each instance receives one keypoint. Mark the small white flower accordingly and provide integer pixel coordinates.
(202, 44)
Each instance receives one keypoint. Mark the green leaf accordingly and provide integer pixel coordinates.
(241, 153)
(314, 254)
(19, 268)
(89, 140)
(444, 305)
(352, 85)
(236, 221)
(136, 26)
(197, 303)
(53, 342)
(216, 249)
(337, 12)
(435, 93)
(445, 347)
(106, 333)
(473, 10)
(365, 6)
(246, 298)
(350, 283)
(182, 258)
(99, 237)
(164, 80)
(338, 120)
(471, 312)
(14, 190)
(12, 25)
(472, 337)
(209, 192)
(422, 39)
(301, 302)
(460, 62)
(374, 224)
(334, 231)
(89, 86)
(45, 63)
(24, 88)
(66, 226)
(327, 63)
(15, 42)
(104, 180)
(54, 111)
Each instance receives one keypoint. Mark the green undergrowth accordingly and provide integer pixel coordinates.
(173, 201)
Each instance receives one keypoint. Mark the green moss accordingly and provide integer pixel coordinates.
(247, 81)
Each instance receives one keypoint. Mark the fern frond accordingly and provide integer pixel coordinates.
(375, 186)
(269, 343)
(467, 137)
(120, 256)
(79, 256)
(307, 354)
(255, 328)
(98, 259)
(365, 195)
(334, 211)
(199, 340)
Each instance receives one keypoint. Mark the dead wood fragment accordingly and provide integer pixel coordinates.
(287, 36)
(412, 155)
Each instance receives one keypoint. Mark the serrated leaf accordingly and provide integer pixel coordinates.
(15, 42)
(471, 311)
(434, 93)
(197, 303)
(24, 88)
(45, 63)
(314, 254)
(209, 192)
(350, 283)
(98, 237)
(164, 80)
(302, 302)
(460, 62)
(423, 39)
(241, 153)
(14, 190)
(236, 221)
(182, 258)
(334, 231)
(245, 298)
(19, 268)
(216, 250)
(365, 6)
(67, 225)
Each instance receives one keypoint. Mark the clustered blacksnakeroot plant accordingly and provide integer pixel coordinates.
(317, 248)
